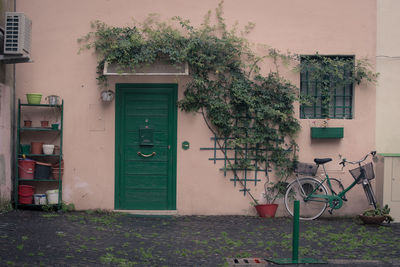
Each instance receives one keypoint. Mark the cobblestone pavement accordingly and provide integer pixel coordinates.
(33, 238)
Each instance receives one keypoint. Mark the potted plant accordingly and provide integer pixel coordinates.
(27, 121)
(55, 116)
(44, 123)
(273, 191)
(376, 216)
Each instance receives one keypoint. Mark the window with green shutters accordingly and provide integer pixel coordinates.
(324, 86)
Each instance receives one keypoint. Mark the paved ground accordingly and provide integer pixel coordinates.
(33, 238)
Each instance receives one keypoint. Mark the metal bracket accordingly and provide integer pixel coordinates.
(12, 59)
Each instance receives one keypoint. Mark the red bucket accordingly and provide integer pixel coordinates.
(26, 168)
(25, 190)
(25, 200)
(25, 194)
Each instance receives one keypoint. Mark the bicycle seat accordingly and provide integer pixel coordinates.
(322, 161)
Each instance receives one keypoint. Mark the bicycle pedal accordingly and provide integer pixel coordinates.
(344, 198)
(330, 211)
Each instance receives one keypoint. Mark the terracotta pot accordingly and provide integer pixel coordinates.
(372, 219)
(44, 123)
(57, 150)
(57, 172)
(266, 210)
(27, 123)
(37, 147)
(57, 165)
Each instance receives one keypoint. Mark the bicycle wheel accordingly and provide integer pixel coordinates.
(369, 192)
(298, 190)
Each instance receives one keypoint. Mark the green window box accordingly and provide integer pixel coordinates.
(326, 132)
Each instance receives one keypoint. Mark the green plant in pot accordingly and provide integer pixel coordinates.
(276, 189)
(376, 216)
(272, 192)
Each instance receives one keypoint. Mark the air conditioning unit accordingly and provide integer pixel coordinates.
(17, 34)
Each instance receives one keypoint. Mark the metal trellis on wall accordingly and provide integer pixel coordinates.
(242, 175)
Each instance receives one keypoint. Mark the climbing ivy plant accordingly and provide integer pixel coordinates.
(331, 72)
(250, 110)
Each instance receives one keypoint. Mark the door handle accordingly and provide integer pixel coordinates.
(146, 156)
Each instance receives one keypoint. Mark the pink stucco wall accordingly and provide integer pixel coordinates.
(300, 26)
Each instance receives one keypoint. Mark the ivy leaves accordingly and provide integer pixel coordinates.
(329, 73)
(250, 111)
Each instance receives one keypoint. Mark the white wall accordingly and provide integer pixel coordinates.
(387, 101)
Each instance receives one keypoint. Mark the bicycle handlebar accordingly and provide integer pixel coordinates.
(344, 161)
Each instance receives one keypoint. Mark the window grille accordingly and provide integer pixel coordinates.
(341, 101)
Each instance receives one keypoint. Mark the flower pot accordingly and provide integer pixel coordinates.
(27, 123)
(372, 219)
(57, 173)
(48, 149)
(36, 147)
(44, 124)
(34, 98)
(53, 100)
(266, 210)
(57, 165)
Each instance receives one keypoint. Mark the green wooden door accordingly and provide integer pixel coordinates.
(145, 138)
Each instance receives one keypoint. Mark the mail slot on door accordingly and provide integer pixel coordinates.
(146, 137)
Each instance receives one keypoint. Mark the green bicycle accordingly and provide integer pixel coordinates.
(313, 194)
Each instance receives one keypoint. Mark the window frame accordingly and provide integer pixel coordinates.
(346, 95)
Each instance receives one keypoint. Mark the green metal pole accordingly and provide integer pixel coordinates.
(295, 239)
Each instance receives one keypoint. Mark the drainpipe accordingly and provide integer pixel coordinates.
(13, 129)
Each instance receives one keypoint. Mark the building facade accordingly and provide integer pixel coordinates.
(92, 130)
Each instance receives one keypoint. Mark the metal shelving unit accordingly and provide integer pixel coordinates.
(27, 133)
